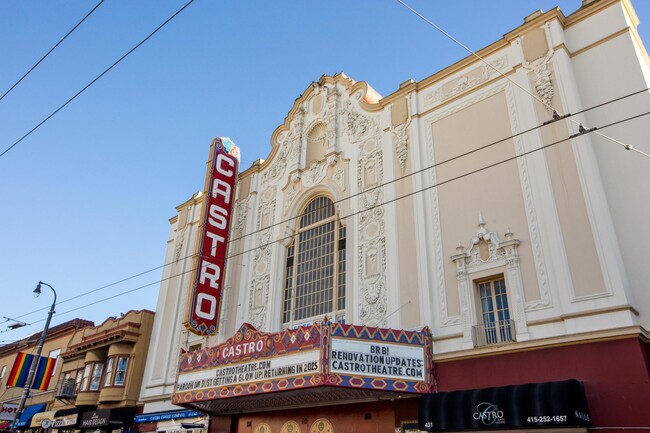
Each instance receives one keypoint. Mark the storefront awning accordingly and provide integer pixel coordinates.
(534, 405)
(26, 417)
(66, 418)
(42, 419)
(167, 415)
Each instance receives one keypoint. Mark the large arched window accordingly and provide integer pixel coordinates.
(315, 269)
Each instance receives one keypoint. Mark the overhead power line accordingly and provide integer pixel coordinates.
(96, 78)
(51, 49)
(436, 185)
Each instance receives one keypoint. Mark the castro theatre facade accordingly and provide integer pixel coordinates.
(459, 205)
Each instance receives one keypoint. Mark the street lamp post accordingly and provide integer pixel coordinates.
(39, 348)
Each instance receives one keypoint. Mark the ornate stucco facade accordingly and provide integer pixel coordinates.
(444, 185)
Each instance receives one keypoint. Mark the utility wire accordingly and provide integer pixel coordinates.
(478, 170)
(436, 185)
(546, 104)
(97, 78)
(602, 104)
(51, 49)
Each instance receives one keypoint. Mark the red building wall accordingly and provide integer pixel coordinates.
(615, 373)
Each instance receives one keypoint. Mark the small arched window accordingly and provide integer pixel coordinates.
(315, 268)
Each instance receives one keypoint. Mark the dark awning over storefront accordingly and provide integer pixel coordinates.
(26, 417)
(66, 418)
(107, 419)
(548, 404)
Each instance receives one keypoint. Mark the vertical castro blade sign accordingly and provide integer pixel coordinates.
(208, 284)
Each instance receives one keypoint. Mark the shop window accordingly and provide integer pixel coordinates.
(108, 375)
(96, 378)
(120, 371)
(315, 266)
(495, 324)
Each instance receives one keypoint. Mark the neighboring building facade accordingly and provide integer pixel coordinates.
(101, 375)
(57, 341)
(455, 203)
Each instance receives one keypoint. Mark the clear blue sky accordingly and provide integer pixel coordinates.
(86, 198)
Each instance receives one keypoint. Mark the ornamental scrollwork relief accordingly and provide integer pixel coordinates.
(358, 126)
(401, 134)
(542, 78)
(467, 81)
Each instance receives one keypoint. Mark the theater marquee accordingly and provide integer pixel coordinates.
(318, 363)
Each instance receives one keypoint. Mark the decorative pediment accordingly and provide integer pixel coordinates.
(485, 246)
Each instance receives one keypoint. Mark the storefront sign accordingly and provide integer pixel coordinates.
(352, 356)
(66, 420)
(165, 416)
(95, 419)
(203, 315)
(265, 370)
(548, 404)
(8, 411)
(107, 418)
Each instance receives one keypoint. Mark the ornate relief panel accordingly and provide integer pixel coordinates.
(372, 241)
(401, 136)
(465, 82)
(240, 216)
(542, 78)
(258, 300)
(263, 253)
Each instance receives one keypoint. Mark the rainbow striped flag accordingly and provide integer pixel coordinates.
(43, 373)
(20, 371)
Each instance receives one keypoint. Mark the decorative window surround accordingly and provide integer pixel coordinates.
(502, 257)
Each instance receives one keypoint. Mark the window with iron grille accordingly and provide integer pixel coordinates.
(315, 267)
(496, 326)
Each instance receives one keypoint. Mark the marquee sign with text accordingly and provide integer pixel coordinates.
(205, 302)
(323, 354)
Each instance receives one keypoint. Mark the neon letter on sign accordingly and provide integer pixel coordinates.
(205, 302)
